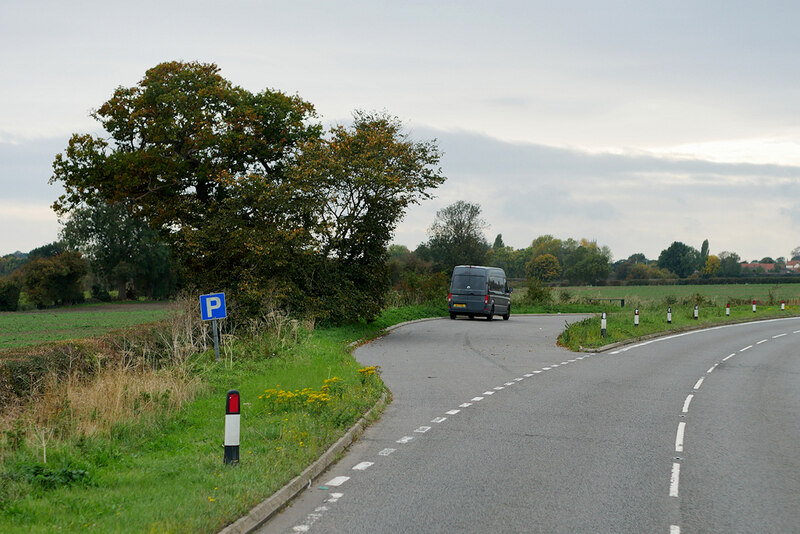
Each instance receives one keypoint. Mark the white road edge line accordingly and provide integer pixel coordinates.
(679, 437)
(728, 357)
(746, 348)
(779, 335)
(687, 402)
(762, 341)
(674, 529)
(674, 479)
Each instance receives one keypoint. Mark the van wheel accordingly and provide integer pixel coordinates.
(491, 315)
(452, 316)
(471, 316)
(507, 314)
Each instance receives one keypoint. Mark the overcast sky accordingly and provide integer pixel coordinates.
(633, 123)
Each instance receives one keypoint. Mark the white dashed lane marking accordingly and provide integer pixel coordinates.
(746, 348)
(386, 452)
(422, 429)
(712, 368)
(698, 384)
(762, 341)
(687, 402)
(674, 479)
(338, 481)
(728, 357)
(779, 335)
(679, 437)
(465, 405)
(476, 399)
(363, 466)
(452, 412)
(439, 420)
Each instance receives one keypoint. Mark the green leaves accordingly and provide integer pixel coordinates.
(248, 192)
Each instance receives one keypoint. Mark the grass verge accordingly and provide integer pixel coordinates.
(161, 469)
(653, 319)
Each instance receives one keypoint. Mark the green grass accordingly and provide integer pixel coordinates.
(19, 329)
(167, 474)
(653, 319)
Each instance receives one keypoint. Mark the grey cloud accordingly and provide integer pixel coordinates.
(26, 168)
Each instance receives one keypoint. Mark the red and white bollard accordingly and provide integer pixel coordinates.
(603, 325)
(754, 306)
(783, 305)
(728, 310)
(636, 317)
(232, 424)
(669, 314)
(696, 311)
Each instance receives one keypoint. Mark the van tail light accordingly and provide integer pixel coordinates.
(449, 297)
(486, 299)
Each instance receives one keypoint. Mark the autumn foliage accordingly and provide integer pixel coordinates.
(252, 196)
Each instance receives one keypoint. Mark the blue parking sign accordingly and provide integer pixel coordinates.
(212, 306)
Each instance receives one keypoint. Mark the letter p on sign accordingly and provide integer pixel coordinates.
(212, 306)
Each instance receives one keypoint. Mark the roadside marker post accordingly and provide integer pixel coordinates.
(754, 306)
(783, 305)
(603, 325)
(212, 307)
(696, 311)
(669, 314)
(728, 310)
(232, 425)
(636, 317)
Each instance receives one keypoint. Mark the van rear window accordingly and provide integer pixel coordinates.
(465, 281)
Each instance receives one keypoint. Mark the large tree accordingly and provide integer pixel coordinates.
(587, 263)
(354, 185)
(456, 236)
(192, 153)
(679, 258)
(123, 251)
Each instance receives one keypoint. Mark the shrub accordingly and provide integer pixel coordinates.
(538, 293)
(9, 295)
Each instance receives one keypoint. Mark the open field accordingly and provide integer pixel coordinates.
(19, 329)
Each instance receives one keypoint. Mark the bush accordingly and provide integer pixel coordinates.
(100, 293)
(9, 295)
(538, 293)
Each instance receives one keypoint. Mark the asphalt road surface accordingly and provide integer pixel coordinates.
(493, 428)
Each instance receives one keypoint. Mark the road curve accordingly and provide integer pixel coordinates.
(493, 428)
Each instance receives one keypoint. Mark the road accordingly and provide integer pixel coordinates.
(493, 428)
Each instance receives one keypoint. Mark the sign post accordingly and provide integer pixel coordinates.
(212, 307)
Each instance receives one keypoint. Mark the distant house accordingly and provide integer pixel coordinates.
(793, 266)
(750, 267)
